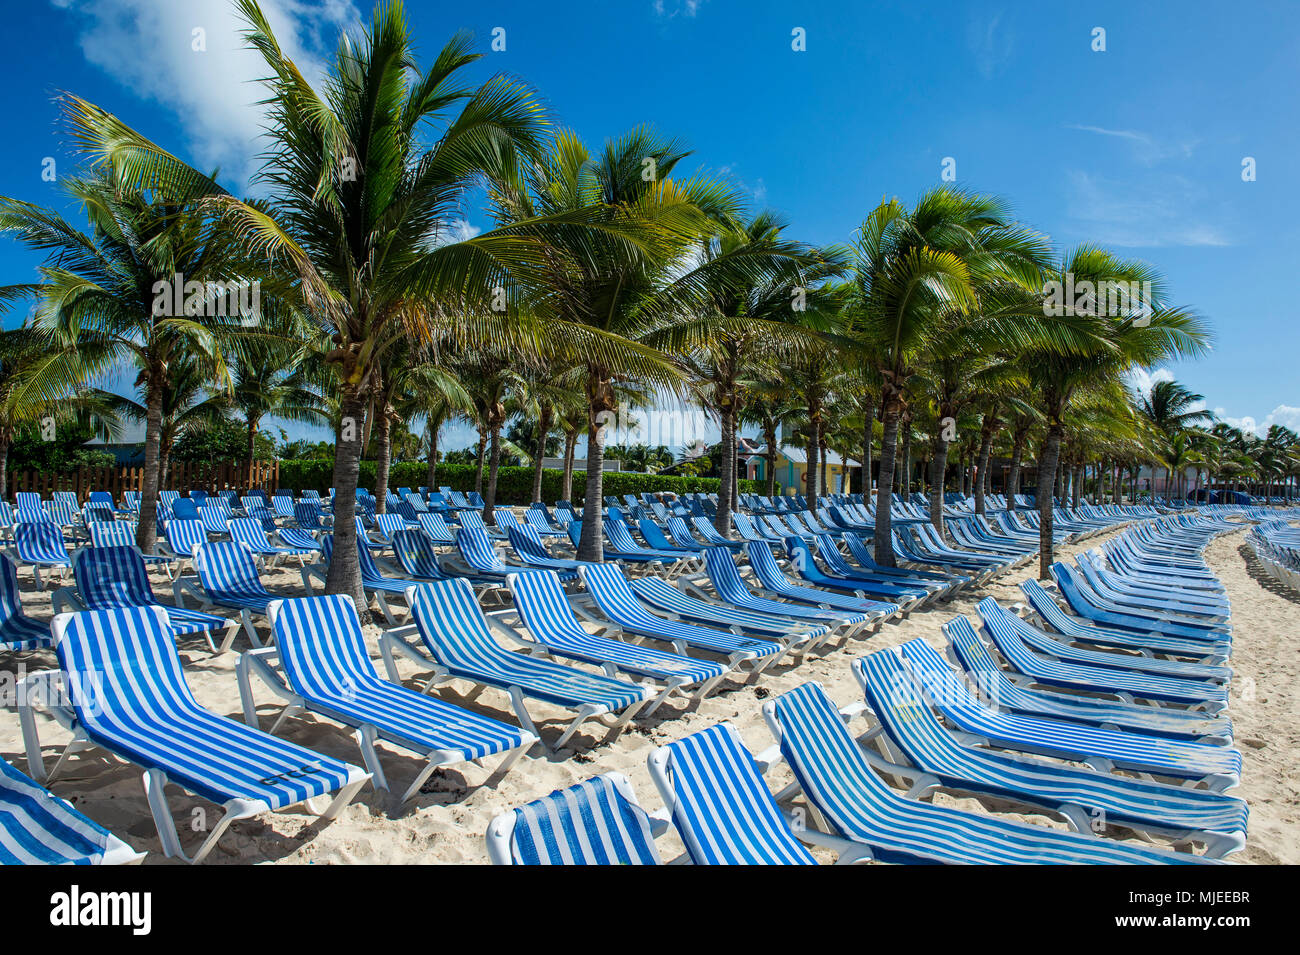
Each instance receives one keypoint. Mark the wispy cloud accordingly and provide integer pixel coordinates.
(676, 8)
(1147, 148)
(1142, 380)
(990, 43)
(148, 47)
(1146, 213)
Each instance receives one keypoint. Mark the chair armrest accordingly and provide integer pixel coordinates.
(66, 596)
(312, 572)
(261, 662)
(191, 586)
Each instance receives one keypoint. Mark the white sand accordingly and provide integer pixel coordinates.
(445, 824)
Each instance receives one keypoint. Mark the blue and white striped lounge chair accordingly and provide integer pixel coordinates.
(111, 578)
(730, 588)
(320, 663)
(41, 545)
(249, 532)
(528, 547)
(127, 690)
(609, 591)
(832, 771)
(308, 516)
(435, 525)
(1218, 767)
(473, 520)
(1047, 645)
(27, 499)
(773, 581)
(228, 577)
(38, 828)
(480, 556)
(63, 512)
(184, 538)
(1003, 631)
(719, 804)
(390, 523)
(543, 608)
(625, 548)
(804, 563)
(595, 822)
(667, 598)
(1085, 798)
(31, 514)
(214, 519)
(537, 518)
(1051, 615)
(17, 630)
(297, 539)
(991, 682)
(452, 628)
(282, 504)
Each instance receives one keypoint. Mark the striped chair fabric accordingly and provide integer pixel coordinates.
(915, 730)
(721, 807)
(17, 630)
(38, 828)
(729, 586)
(229, 576)
(455, 633)
(1064, 740)
(41, 544)
(590, 823)
(127, 687)
(323, 652)
(186, 537)
(109, 578)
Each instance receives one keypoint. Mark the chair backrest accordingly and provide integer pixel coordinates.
(619, 536)
(476, 550)
(453, 628)
(67, 497)
(389, 524)
(61, 512)
(542, 606)
(537, 518)
(594, 822)
(226, 568)
(282, 504)
(526, 541)
(249, 532)
(109, 577)
(321, 645)
(472, 519)
(111, 533)
(722, 809)
(435, 526)
(307, 514)
(11, 606)
(416, 553)
(185, 537)
(27, 498)
(167, 497)
(6, 514)
(214, 517)
(505, 518)
(369, 570)
(25, 512)
(39, 542)
(97, 512)
(184, 509)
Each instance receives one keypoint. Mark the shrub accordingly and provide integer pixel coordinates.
(514, 485)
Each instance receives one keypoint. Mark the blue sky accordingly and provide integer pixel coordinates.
(1139, 147)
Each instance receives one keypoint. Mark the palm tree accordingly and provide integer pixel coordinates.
(106, 292)
(1142, 334)
(39, 378)
(270, 380)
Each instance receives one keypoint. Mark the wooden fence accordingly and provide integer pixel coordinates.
(182, 476)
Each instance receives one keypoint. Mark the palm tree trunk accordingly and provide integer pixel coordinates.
(146, 531)
(383, 430)
(570, 446)
(431, 477)
(600, 403)
(494, 468)
(769, 438)
(4, 469)
(905, 479)
(478, 460)
(883, 544)
(344, 575)
(813, 478)
(982, 463)
(1013, 473)
(938, 474)
(726, 466)
(1047, 464)
(543, 429)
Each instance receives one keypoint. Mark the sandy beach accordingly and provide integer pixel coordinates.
(446, 822)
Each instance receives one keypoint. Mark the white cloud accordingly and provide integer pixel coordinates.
(1287, 416)
(991, 45)
(1142, 380)
(147, 46)
(682, 8)
(1148, 148)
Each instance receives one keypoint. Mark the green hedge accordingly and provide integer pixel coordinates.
(514, 485)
